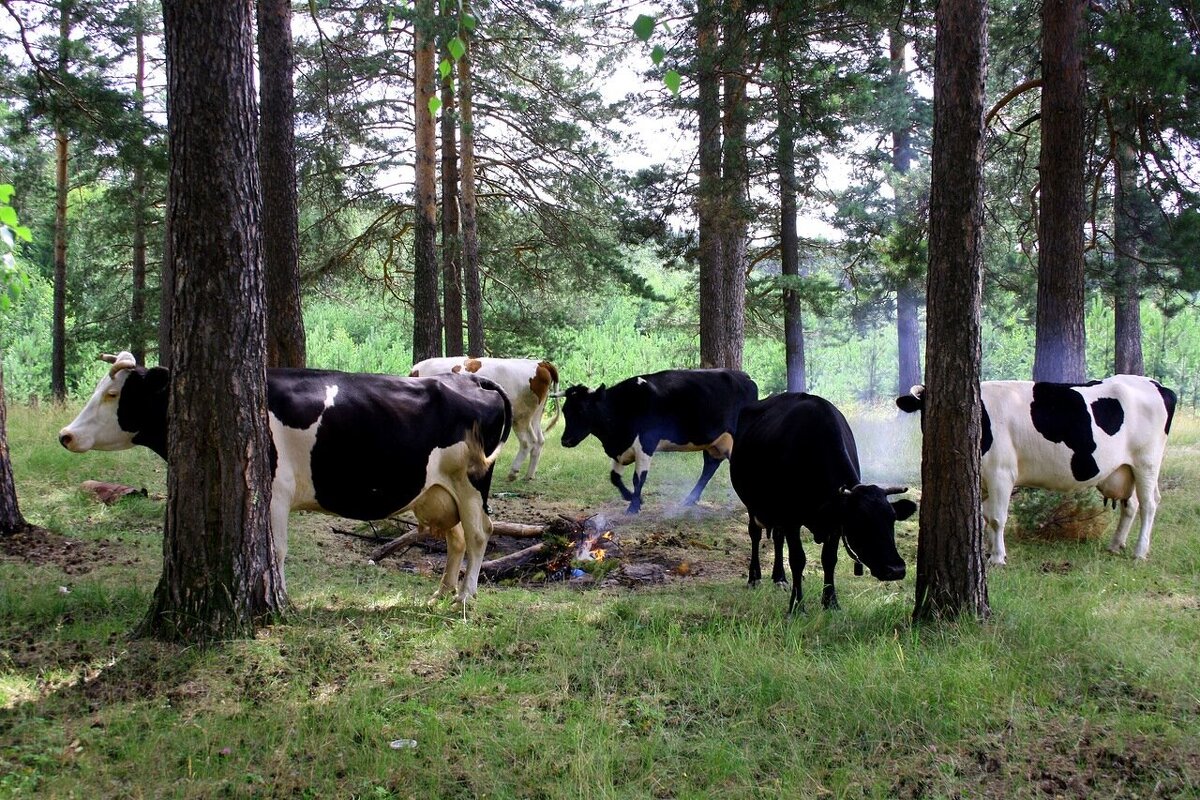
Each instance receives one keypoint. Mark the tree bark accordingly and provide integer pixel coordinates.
(11, 520)
(58, 354)
(452, 290)
(220, 574)
(708, 200)
(277, 163)
(908, 296)
(735, 182)
(1127, 312)
(1059, 346)
(427, 322)
(476, 346)
(137, 306)
(951, 579)
(789, 240)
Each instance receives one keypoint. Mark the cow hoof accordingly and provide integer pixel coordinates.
(1116, 549)
(512, 476)
(782, 585)
(996, 562)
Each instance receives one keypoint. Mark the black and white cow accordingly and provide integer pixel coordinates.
(676, 409)
(796, 464)
(1110, 434)
(356, 445)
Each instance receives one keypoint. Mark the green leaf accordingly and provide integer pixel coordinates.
(457, 48)
(23, 233)
(435, 105)
(8, 216)
(387, 22)
(468, 22)
(643, 26)
(657, 54)
(672, 80)
(444, 68)
(6, 192)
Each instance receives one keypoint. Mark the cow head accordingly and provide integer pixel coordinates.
(869, 527)
(129, 407)
(583, 410)
(913, 401)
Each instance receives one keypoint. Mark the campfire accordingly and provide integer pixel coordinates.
(569, 548)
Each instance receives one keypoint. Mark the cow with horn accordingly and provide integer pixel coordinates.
(356, 445)
(795, 464)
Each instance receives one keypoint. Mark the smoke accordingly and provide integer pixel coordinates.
(889, 445)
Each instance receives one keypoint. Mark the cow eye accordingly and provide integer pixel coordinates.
(113, 393)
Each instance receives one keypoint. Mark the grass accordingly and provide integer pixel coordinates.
(1083, 683)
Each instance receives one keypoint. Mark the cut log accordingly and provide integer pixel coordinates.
(500, 568)
(517, 529)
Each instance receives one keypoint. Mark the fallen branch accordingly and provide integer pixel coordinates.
(517, 529)
(501, 567)
(413, 536)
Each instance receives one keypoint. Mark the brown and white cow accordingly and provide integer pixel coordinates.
(356, 445)
(528, 384)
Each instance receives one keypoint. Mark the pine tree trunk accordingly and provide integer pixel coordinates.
(58, 354)
(476, 346)
(277, 163)
(137, 307)
(735, 179)
(220, 574)
(708, 202)
(951, 579)
(452, 290)
(427, 323)
(789, 244)
(1059, 346)
(908, 296)
(1127, 312)
(166, 298)
(11, 520)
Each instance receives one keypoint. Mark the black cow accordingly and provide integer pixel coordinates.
(676, 409)
(359, 446)
(796, 464)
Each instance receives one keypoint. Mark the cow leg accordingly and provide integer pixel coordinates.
(280, 505)
(710, 466)
(539, 439)
(755, 537)
(478, 528)
(641, 469)
(995, 515)
(1146, 481)
(1129, 509)
(524, 445)
(455, 545)
(614, 476)
(796, 560)
(829, 555)
(778, 576)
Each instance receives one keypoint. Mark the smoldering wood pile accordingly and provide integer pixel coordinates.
(563, 541)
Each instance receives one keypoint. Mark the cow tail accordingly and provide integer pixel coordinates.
(553, 393)
(479, 460)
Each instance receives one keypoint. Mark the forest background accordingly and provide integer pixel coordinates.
(581, 259)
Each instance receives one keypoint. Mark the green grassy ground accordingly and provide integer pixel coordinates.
(1083, 684)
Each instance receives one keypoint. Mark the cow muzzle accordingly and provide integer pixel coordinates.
(890, 572)
(70, 441)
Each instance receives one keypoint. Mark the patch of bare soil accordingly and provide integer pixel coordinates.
(1062, 759)
(706, 542)
(41, 547)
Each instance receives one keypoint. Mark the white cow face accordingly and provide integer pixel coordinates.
(97, 427)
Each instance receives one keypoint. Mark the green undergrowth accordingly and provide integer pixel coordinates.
(1083, 683)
